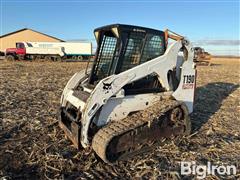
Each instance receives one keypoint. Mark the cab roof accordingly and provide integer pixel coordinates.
(125, 27)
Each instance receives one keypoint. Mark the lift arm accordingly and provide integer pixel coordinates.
(172, 35)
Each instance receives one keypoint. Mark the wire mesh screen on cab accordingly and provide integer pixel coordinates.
(106, 55)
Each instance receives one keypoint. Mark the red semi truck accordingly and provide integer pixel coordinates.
(16, 53)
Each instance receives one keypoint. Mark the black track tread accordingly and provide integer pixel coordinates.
(116, 128)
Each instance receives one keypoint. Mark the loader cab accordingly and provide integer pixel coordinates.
(122, 47)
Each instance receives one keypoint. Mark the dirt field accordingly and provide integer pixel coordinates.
(32, 146)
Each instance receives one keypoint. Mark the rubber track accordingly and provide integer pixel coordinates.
(106, 134)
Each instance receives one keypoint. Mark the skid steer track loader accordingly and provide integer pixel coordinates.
(139, 91)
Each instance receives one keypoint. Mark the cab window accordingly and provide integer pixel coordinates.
(20, 46)
(153, 48)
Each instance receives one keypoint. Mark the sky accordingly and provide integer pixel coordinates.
(213, 24)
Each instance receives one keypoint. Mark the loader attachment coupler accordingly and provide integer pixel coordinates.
(71, 127)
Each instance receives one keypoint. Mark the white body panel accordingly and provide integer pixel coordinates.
(69, 48)
(119, 108)
(186, 94)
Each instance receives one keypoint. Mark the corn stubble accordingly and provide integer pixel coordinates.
(33, 146)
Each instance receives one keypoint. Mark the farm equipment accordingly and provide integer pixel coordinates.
(201, 57)
(49, 51)
(139, 92)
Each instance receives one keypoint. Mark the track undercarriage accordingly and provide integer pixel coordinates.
(140, 131)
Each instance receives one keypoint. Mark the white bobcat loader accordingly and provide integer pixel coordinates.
(139, 91)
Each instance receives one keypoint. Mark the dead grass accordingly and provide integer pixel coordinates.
(32, 146)
(226, 61)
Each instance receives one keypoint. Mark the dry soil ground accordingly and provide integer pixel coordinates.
(32, 146)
